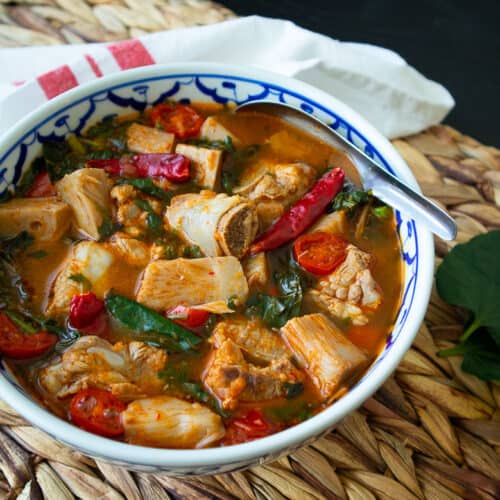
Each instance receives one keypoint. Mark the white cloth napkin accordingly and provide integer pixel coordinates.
(374, 81)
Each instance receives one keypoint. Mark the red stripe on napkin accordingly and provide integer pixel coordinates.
(130, 54)
(95, 68)
(57, 81)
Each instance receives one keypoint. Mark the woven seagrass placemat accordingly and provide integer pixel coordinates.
(430, 432)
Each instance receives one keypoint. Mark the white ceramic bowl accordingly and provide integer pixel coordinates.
(122, 93)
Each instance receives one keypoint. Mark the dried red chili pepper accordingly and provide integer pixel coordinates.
(173, 167)
(302, 215)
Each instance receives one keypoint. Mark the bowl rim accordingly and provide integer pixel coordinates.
(292, 437)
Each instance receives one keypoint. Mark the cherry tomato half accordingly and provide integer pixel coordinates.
(247, 427)
(42, 186)
(178, 119)
(87, 314)
(18, 345)
(188, 317)
(97, 411)
(320, 253)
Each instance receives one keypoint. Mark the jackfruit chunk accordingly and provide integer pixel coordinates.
(205, 164)
(46, 219)
(87, 267)
(142, 139)
(167, 422)
(191, 282)
(87, 192)
(331, 360)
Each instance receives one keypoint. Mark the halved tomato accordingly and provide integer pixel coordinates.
(320, 253)
(179, 119)
(18, 345)
(97, 411)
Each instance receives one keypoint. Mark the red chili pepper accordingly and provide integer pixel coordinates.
(173, 167)
(247, 427)
(302, 215)
(42, 186)
(18, 345)
(87, 314)
(188, 317)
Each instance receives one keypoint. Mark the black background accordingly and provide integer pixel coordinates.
(456, 43)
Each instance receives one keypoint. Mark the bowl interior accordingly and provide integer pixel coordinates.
(133, 91)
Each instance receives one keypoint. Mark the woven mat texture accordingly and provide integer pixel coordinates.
(431, 432)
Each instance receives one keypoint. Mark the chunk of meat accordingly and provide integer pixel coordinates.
(205, 164)
(142, 139)
(275, 187)
(252, 336)
(131, 217)
(128, 370)
(231, 378)
(46, 219)
(132, 251)
(350, 292)
(256, 270)
(87, 192)
(168, 422)
(89, 263)
(213, 130)
(219, 224)
(334, 223)
(330, 359)
(191, 282)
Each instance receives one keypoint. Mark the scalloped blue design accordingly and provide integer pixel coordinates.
(137, 95)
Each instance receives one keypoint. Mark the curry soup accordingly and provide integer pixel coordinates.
(193, 277)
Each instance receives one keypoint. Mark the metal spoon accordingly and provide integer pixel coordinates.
(368, 173)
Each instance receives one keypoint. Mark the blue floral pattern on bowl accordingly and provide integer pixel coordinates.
(133, 96)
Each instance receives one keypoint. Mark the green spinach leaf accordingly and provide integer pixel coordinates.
(225, 145)
(276, 311)
(149, 187)
(141, 319)
(153, 220)
(349, 198)
(81, 279)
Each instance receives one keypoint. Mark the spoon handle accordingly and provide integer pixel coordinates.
(397, 194)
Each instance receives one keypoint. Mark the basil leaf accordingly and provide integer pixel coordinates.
(469, 276)
(141, 319)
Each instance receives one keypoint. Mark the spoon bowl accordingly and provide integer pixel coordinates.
(364, 172)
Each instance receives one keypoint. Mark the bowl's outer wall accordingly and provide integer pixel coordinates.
(134, 90)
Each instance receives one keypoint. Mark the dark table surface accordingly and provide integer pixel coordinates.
(455, 42)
